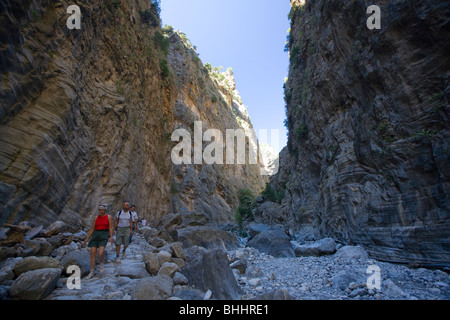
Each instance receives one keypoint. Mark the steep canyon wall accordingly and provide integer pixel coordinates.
(86, 115)
(368, 155)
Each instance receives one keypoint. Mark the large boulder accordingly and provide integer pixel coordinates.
(170, 221)
(35, 284)
(207, 237)
(274, 242)
(33, 232)
(255, 228)
(316, 248)
(132, 270)
(59, 227)
(152, 263)
(168, 269)
(209, 270)
(195, 219)
(189, 294)
(351, 252)
(153, 288)
(7, 252)
(34, 263)
(45, 247)
(277, 294)
(345, 277)
(80, 258)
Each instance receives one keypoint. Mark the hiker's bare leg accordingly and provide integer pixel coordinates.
(101, 250)
(93, 254)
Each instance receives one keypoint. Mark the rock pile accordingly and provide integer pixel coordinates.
(179, 259)
(341, 276)
(32, 264)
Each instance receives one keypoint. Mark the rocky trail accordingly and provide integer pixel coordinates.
(115, 282)
(267, 277)
(207, 263)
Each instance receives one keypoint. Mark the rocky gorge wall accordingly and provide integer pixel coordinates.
(209, 98)
(367, 160)
(86, 116)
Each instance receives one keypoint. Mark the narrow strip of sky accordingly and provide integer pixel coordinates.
(248, 36)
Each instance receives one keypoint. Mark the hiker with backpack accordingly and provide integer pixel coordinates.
(124, 227)
(134, 217)
(98, 238)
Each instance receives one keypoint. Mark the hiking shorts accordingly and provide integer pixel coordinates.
(99, 239)
(123, 236)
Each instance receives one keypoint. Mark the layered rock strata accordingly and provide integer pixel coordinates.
(367, 160)
(86, 116)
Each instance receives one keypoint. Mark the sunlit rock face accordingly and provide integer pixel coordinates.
(86, 116)
(207, 99)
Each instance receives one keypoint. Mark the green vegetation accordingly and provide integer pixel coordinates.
(286, 124)
(301, 132)
(174, 188)
(208, 67)
(168, 29)
(423, 134)
(164, 68)
(271, 195)
(186, 40)
(304, 94)
(51, 54)
(36, 15)
(382, 126)
(151, 17)
(114, 4)
(156, 5)
(437, 101)
(246, 205)
(216, 72)
(295, 52)
(161, 42)
(286, 46)
(311, 50)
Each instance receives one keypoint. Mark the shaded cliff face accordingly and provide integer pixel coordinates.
(368, 154)
(86, 115)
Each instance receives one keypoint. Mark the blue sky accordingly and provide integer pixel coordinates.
(248, 36)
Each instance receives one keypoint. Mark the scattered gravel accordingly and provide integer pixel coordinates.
(331, 278)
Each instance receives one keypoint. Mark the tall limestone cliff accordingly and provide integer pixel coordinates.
(209, 96)
(86, 116)
(368, 153)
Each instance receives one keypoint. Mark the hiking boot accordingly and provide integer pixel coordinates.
(117, 259)
(123, 255)
(101, 268)
(90, 275)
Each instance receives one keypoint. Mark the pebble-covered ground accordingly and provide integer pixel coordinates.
(266, 277)
(330, 278)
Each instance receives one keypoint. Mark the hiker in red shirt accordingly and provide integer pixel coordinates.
(98, 237)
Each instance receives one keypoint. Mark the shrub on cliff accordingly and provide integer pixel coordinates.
(246, 205)
(270, 194)
(152, 17)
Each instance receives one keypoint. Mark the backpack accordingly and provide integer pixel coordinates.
(120, 212)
